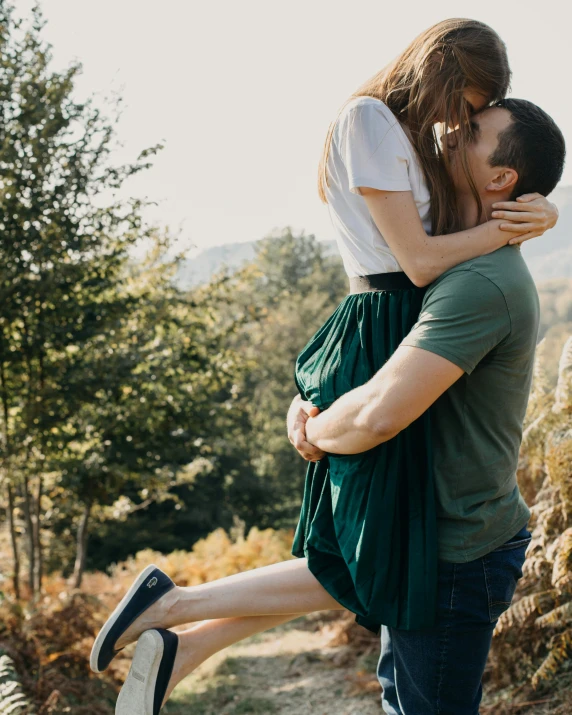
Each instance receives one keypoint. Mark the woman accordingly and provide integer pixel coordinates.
(382, 146)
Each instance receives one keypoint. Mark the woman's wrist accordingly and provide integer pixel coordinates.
(496, 238)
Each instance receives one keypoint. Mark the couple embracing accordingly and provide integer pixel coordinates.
(411, 396)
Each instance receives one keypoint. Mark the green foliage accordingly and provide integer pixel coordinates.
(125, 403)
(265, 314)
(289, 291)
(63, 258)
(111, 380)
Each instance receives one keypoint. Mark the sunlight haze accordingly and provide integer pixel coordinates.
(242, 93)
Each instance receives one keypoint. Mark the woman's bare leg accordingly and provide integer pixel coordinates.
(285, 588)
(207, 638)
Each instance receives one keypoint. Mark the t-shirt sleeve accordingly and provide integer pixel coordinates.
(373, 151)
(464, 316)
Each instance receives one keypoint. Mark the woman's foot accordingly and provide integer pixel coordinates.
(147, 685)
(157, 615)
(194, 647)
(283, 588)
(132, 616)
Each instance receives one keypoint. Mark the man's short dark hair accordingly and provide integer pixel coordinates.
(532, 145)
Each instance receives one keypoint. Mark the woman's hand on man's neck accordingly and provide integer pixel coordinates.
(469, 211)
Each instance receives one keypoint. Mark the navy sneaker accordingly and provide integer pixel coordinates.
(150, 673)
(148, 587)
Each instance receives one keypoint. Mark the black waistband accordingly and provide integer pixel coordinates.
(380, 281)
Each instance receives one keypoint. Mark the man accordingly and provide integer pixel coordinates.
(470, 355)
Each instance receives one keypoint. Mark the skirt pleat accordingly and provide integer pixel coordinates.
(368, 521)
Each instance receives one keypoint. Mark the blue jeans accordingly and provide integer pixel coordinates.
(438, 671)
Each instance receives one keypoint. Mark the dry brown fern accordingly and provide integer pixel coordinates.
(558, 461)
(533, 638)
(559, 649)
(563, 561)
(524, 608)
(563, 392)
(560, 616)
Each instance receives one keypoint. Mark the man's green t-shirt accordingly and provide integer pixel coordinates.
(482, 316)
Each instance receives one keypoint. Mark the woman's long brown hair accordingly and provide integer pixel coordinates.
(424, 85)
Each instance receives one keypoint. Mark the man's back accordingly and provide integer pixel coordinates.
(483, 316)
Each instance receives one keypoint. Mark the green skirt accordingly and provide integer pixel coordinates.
(368, 521)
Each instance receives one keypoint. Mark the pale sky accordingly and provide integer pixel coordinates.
(242, 91)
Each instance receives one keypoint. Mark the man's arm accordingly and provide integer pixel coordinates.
(464, 316)
(399, 393)
(298, 413)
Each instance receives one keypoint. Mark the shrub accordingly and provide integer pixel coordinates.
(50, 641)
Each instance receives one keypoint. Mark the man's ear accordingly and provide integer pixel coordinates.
(505, 180)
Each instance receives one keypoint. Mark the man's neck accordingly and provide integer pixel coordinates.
(469, 212)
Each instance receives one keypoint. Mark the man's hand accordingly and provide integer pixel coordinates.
(298, 414)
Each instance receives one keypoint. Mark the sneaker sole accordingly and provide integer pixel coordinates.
(108, 625)
(138, 692)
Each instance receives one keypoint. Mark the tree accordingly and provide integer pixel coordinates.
(284, 296)
(61, 255)
(161, 380)
(257, 319)
(122, 397)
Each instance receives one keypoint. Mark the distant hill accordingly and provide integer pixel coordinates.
(547, 257)
(197, 270)
(200, 269)
(551, 255)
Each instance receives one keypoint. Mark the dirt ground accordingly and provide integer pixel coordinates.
(290, 670)
(295, 670)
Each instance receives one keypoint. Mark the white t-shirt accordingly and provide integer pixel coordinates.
(370, 148)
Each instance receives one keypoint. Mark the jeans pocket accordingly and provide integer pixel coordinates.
(503, 569)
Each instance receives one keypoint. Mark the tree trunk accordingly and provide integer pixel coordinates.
(38, 520)
(29, 536)
(39, 561)
(14, 539)
(81, 550)
(30, 508)
(8, 448)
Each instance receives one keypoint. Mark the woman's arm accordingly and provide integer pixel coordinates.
(424, 258)
(529, 216)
